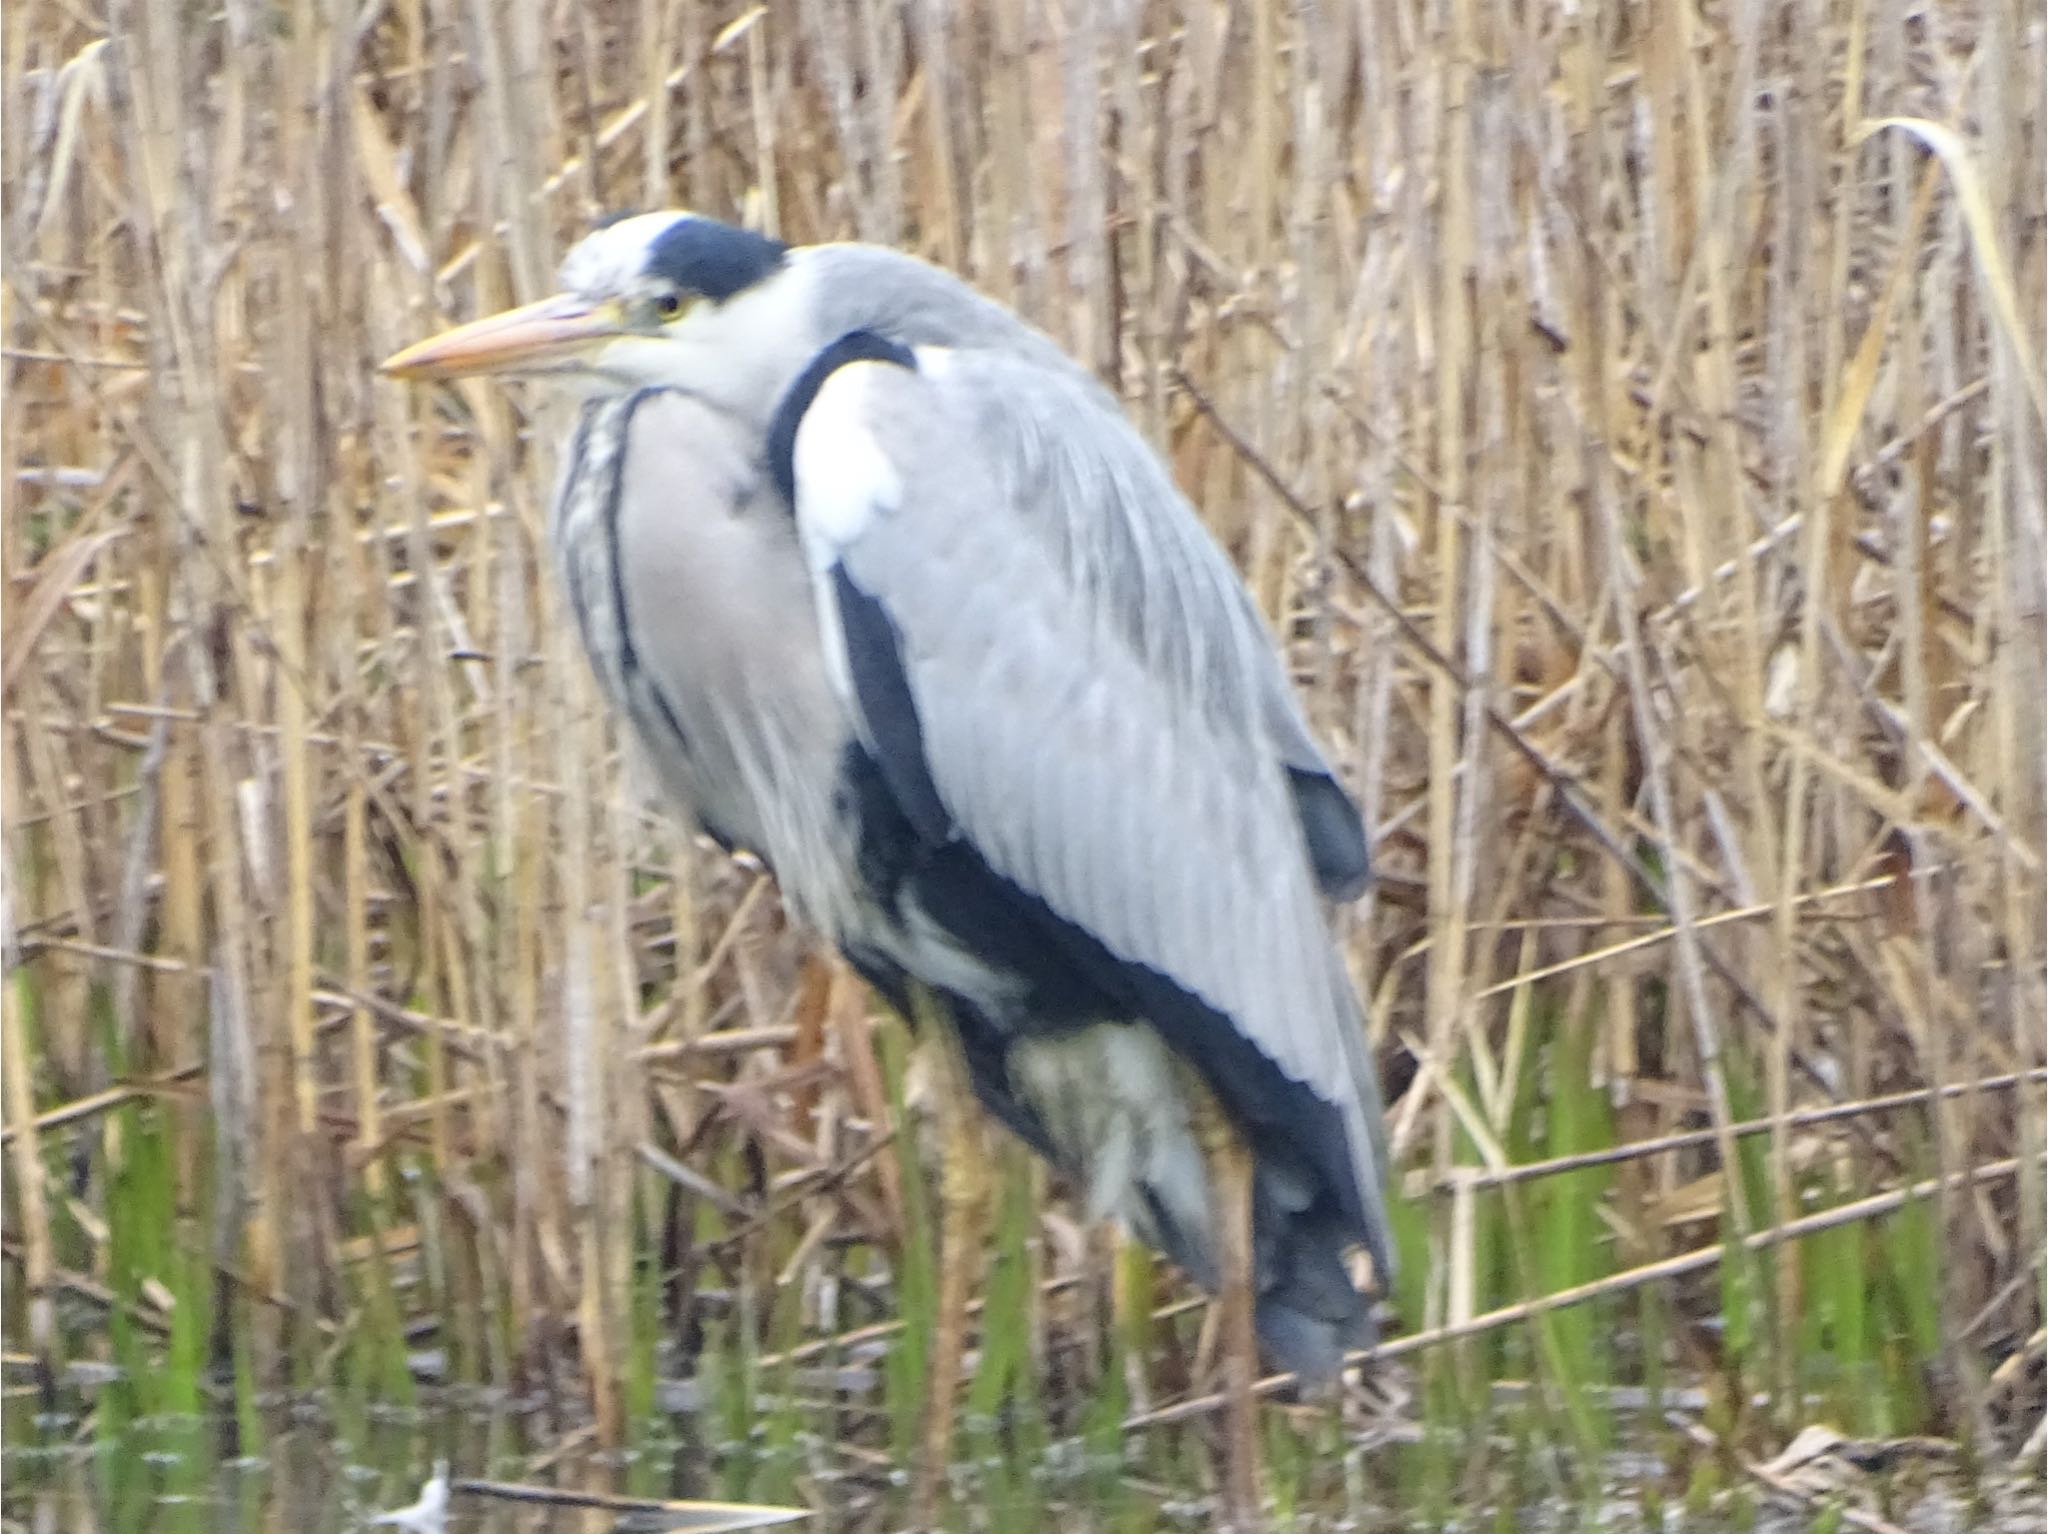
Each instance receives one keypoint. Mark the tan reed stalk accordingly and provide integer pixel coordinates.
(1637, 452)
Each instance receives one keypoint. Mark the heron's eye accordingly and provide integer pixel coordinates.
(670, 305)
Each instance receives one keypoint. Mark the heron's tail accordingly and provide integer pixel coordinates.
(1114, 1108)
(1307, 1311)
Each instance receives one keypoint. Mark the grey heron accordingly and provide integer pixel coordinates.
(897, 598)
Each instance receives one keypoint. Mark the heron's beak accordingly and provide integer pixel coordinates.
(546, 337)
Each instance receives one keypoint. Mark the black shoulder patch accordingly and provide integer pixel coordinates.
(854, 346)
(701, 255)
(1336, 836)
(874, 659)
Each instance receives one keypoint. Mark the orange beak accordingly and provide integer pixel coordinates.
(547, 337)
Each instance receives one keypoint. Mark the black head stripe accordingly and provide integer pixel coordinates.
(854, 346)
(701, 255)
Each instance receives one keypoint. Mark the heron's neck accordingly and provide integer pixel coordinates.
(742, 356)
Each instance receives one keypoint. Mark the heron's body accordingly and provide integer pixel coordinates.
(896, 598)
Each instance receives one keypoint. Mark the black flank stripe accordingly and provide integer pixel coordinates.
(874, 657)
(854, 346)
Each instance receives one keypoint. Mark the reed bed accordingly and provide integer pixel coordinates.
(1630, 416)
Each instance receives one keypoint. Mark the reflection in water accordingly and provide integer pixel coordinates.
(429, 1515)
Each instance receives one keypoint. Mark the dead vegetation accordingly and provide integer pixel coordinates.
(1630, 415)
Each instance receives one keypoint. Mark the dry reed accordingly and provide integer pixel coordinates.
(1638, 446)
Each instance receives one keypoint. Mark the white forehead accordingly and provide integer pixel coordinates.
(614, 258)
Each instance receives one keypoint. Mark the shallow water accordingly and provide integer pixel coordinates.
(70, 1472)
(176, 1475)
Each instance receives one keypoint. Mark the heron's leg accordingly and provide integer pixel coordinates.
(1230, 1180)
(964, 1193)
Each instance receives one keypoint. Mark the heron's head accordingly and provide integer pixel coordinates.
(668, 300)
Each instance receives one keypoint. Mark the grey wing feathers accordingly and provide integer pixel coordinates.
(1148, 570)
(1044, 582)
(1105, 519)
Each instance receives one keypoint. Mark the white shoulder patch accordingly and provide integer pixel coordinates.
(844, 480)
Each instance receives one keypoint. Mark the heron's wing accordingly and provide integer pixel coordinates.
(1108, 513)
(1050, 660)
